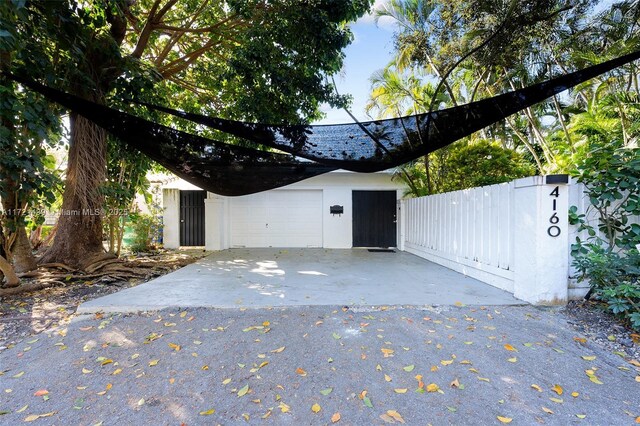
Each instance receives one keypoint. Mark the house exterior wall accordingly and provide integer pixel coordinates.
(336, 189)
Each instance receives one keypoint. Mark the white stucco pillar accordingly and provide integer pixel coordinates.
(215, 222)
(541, 264)
(171, 218)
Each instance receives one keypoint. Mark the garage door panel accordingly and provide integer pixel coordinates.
(280, 218)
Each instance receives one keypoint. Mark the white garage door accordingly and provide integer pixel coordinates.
(279, 218)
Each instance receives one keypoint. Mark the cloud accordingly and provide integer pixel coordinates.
(385, 22)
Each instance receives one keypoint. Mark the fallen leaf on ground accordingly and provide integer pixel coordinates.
(455, 383)
(404, 390)
(395, 415)
(174, 346)
(316, 408)
(557, 400)
(432, 387)
(41, 392)
(510, 348)
(326, 391)
(335, 418)
(588, 358)
(277, 351)
(243, 390)
(207, 413)
(34, 417)
(557, 389)
(387, 378)
(574, 394)
(301, 372)
(409, 368)
(581, 416)
(504, 419)
(546, 410)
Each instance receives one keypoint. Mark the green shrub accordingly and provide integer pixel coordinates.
(609, 257)
(142, 226)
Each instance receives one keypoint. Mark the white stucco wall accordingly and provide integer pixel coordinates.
(336, 189)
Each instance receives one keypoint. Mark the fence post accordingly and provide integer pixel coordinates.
(541, 265)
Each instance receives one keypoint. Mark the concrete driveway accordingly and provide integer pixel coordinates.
(291, 277)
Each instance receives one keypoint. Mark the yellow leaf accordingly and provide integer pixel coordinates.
(117, 371)
(109, 386)
(446, 361)
(395, 415)
(37, 416)
(226, 381)
(574, 394)
(335, 418)
(86, 371)
(284, 407)
(277, 351)
(505, 419)
(22, 409)
(546, 410)
(204, 367)
(557, 389)
(595, 380)
(514, 359)
(432, 387)
(536, 387)
(434, 368)
(404, 390)
(510, 348)
(20, 374)
(634, 362)
(153, 362)
(387, 352)
(174, 346)
(106, 361)
(637, 378)
(387, 377)
(581, 416)
(557, 400)
(484, 379)
(172, 380)
(208, 412)
(588, 358)
(243, 391)
(316, 408)
(301, 372)
(182, 315)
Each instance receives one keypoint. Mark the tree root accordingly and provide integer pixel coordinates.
(29, 287)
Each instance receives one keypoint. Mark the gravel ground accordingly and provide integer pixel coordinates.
(309, 365)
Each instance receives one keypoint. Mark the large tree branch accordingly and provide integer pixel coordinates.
(143, 40)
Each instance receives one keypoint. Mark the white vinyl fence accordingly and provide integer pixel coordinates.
(514, 236)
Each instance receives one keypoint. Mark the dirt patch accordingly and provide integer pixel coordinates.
(27, 314)
(591, 319)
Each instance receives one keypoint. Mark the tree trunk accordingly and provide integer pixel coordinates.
(78, 240)
(23, 259)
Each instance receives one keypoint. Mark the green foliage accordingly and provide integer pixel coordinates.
(465, 165)
(143, 227)
(483, 163)
(609, 257)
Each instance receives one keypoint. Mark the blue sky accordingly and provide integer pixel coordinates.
(371, 50)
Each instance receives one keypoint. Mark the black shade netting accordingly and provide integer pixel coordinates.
(382, 144)
(211, 165)
(362, 147)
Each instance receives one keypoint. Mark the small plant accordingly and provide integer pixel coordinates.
(142, 225)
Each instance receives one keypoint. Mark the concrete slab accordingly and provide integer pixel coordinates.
(291, 277)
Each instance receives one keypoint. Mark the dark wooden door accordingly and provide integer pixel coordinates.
(192, 218)
(374, 219)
